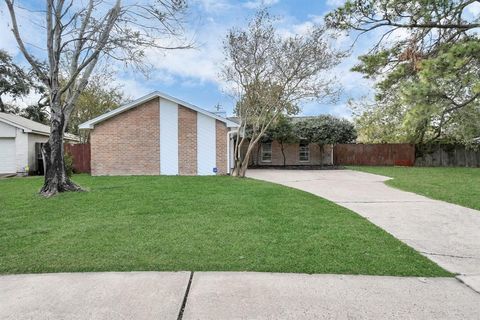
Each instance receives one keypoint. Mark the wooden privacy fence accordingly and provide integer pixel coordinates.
(404, 154)
(81, 156)
(444, 155)
(398, 154)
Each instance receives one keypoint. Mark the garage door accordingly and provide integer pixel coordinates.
(7, 155)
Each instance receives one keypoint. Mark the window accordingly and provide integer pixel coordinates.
(304, 152)
(266, 152)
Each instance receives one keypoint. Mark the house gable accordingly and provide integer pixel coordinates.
(91, 123)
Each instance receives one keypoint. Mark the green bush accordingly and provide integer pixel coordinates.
(68, 159)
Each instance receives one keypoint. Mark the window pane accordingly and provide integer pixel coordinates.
(266, 152)
(304, 152)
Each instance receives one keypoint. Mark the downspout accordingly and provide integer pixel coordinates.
(228, 149)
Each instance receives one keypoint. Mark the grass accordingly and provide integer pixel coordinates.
(455, 185)
(192, 223)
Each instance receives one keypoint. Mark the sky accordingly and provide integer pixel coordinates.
(193, 75)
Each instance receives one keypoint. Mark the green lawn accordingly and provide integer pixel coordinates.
(191, 223)
(455, 185)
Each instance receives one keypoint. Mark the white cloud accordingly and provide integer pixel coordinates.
(201, 63)
(335, 3)
(474, 9)
(255, 4)
(213, 6)
(131, 87)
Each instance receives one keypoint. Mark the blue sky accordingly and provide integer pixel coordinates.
(193, 75)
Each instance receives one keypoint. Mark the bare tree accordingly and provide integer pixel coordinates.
(79, 36)
(271, 75)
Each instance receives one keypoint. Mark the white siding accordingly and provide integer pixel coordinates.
(168, 137)
(7, 155)
(21, 150)
(7, 131)
(206, 145)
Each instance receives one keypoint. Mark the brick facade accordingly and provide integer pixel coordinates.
(292, 157)
(128, 143)
(187, 141)
(221, 141)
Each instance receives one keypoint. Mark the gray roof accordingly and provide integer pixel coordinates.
(295, 119)
(90, 124)
(30, 126)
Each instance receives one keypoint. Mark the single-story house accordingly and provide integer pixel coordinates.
(298, 154)
(160, 134)
(21, 140)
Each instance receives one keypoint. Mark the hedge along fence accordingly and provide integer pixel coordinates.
(81, 156)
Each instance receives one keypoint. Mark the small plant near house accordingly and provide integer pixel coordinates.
(68, 158)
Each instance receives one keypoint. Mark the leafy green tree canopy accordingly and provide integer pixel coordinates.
(427, 74)
(14, 81)
(325, 129)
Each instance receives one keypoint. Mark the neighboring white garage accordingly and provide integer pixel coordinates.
(7, 155)
(18, 139)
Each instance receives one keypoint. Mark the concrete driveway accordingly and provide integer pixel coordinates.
(232, 295)
(446, 233)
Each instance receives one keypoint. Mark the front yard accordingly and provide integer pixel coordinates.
(191, 223)
(455, 185)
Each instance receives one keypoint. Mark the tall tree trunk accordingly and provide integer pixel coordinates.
(2, 106)
(243, 165)
(282, 148)
(56, 178)
(236, 168)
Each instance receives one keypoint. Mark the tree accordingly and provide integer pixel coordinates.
(271, 75)
(416, 99)
(36, 112)
(445, 101)
(14, 81)
(326, 129)
(98, 98)
(79, 37)
(282, 132)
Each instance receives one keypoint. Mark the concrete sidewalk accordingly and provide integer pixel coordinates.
(107, 295)
(446, 233)
(232, 295)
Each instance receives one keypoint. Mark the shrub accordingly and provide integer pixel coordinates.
(68, 164)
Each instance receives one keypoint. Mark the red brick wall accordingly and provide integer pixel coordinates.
(317, 156)
(221, 140)
(128, 144)
(187, 141)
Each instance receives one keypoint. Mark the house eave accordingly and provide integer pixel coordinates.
(90, 124)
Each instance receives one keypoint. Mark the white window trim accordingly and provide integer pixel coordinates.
(308, 152)
(262, 152)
